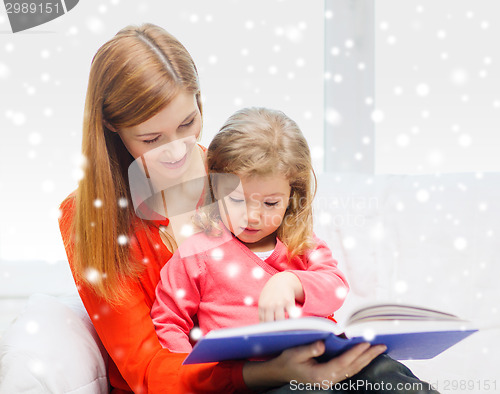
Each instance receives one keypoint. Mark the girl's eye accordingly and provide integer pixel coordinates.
(271, 204)
(151, 141)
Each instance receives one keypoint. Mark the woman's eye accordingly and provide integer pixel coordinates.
(187, 124)
(152, 140)
(236, 200)
(271, 204)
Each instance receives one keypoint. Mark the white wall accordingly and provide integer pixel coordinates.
(258, 53)
(437, 85)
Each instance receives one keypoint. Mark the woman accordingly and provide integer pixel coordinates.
(143, 111)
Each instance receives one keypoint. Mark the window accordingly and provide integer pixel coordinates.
(412, 87)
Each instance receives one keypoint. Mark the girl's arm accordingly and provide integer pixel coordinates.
(324, 285)
(316, 284)
(177, 301)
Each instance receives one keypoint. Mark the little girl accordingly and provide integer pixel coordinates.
(256, 258)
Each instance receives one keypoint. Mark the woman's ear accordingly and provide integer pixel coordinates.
(108, 126)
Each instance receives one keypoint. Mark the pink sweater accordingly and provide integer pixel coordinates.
(216, 283)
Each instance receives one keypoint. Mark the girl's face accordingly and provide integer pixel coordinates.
(253, 211)
(165, 142)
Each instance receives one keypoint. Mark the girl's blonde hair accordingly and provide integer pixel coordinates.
(265, 142)
(132, 77)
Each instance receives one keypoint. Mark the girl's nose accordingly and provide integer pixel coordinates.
(253, 215)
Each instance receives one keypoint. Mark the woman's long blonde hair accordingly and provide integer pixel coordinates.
(265, 142)
(132, 77)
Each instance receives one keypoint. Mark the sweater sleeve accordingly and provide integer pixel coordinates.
(177, 301)
(325, 286)
(137, 360)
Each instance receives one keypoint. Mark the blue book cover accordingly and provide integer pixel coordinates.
(408, 332)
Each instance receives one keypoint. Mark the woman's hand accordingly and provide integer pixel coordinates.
(278, 297)
(299, 364)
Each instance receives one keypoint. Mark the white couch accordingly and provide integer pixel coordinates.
(424, 240)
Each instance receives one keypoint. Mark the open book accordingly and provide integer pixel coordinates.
(408, 332)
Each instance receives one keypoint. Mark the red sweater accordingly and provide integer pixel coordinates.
(138, 363)
(218, 280)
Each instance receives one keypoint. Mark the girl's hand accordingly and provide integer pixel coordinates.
(299, 364)
(278, 297)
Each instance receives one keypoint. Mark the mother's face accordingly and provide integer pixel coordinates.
(165, 142)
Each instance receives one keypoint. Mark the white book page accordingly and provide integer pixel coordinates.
(306, 323)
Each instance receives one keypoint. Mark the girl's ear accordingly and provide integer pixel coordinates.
(108, 126)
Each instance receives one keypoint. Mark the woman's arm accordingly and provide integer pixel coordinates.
(298, 364)
(137, 360)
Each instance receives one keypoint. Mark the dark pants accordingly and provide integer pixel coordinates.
(382, 375)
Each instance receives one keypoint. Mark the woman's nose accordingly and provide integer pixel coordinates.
(173, 151)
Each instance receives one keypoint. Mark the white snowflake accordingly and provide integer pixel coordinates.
(217, 254)
(403, 140)
(258, 273)
(4, 71)
(95, 25)
(335, 51)
(464, 140)
(422, 195)
(391, 40)
(460, 243)
(369, 334)
(48, 186)
(195, 334)
(341, 292)
(423, 89)
(333, 117)
(93, 275)
(122, 239)
(35, 138)
(377, 232)
(349, 242)
(122, 202)
(459, 77)
(32, 327)
(36, 367)
(187, 230)
(441, 34)
(295, 312)
(401, 286)
(377, 116)
(233, 270)
(325, 218)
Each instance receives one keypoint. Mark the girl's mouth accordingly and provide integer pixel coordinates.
(249, 230)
